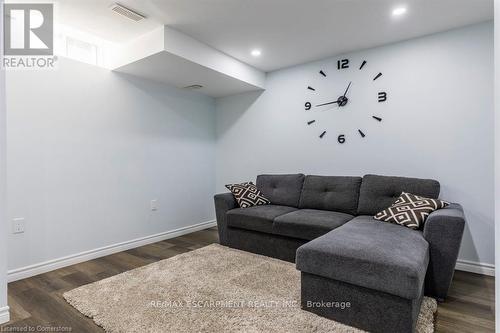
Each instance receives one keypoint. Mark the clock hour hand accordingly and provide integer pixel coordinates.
(327, 103)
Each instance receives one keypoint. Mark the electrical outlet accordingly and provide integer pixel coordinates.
(154, 205)
(18, 225)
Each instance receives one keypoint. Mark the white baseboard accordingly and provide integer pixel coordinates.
(475, 267)
(50, 265)
(4, 315)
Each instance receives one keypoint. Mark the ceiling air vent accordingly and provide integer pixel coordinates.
(128, 13)
(194, 87)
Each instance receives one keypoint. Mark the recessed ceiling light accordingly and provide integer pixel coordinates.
(399, 11)
(256, 53)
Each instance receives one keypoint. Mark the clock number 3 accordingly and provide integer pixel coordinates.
(341, 138)
(382, 96)
(343, 64)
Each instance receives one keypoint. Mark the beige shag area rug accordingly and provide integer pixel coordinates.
(212, 289)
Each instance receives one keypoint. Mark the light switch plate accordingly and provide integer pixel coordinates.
(154, 204)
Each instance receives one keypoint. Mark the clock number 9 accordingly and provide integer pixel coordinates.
(308, 106)
(341, 138)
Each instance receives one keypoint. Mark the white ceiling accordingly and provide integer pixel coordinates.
(289, 32)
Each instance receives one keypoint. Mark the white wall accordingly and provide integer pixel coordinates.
(497, 163)
(87, 151)
(437, 123)
(4, 314)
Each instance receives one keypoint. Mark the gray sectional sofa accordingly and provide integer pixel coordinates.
(325, 225)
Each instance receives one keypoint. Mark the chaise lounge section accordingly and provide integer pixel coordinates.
(366, 263)
(325, 224)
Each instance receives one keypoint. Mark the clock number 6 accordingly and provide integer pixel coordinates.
(308, 106)
(341, 138)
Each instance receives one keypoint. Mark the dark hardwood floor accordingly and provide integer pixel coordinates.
(38, 301)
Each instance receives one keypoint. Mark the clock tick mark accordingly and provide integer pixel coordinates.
(378, 75)
(311, 122)
(363, 64)
(322, 135)
(311, 88)
(377, 118)
(322, 73)
(361, 133)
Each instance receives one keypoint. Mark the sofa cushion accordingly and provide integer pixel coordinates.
(281, 190)
(331, 193)
(256, 218)
(371, 254)
(309, 223)
(379, 192)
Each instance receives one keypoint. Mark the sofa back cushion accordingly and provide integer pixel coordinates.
(379, 192)
(281, 189)
(333, 193)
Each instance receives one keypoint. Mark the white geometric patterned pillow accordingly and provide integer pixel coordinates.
(410, 210)
(247, 195)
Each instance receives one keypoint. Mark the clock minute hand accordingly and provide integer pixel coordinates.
(327, 103)
(345, 93)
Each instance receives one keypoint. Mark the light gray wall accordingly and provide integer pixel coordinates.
(497, 164)
(3, 221)
(437, 123)
(87, 151)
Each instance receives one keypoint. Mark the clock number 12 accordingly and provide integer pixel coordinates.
(343, 64)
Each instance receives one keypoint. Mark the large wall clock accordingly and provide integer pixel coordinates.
(339, 101)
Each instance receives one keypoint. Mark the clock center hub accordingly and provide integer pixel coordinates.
(342, 100)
